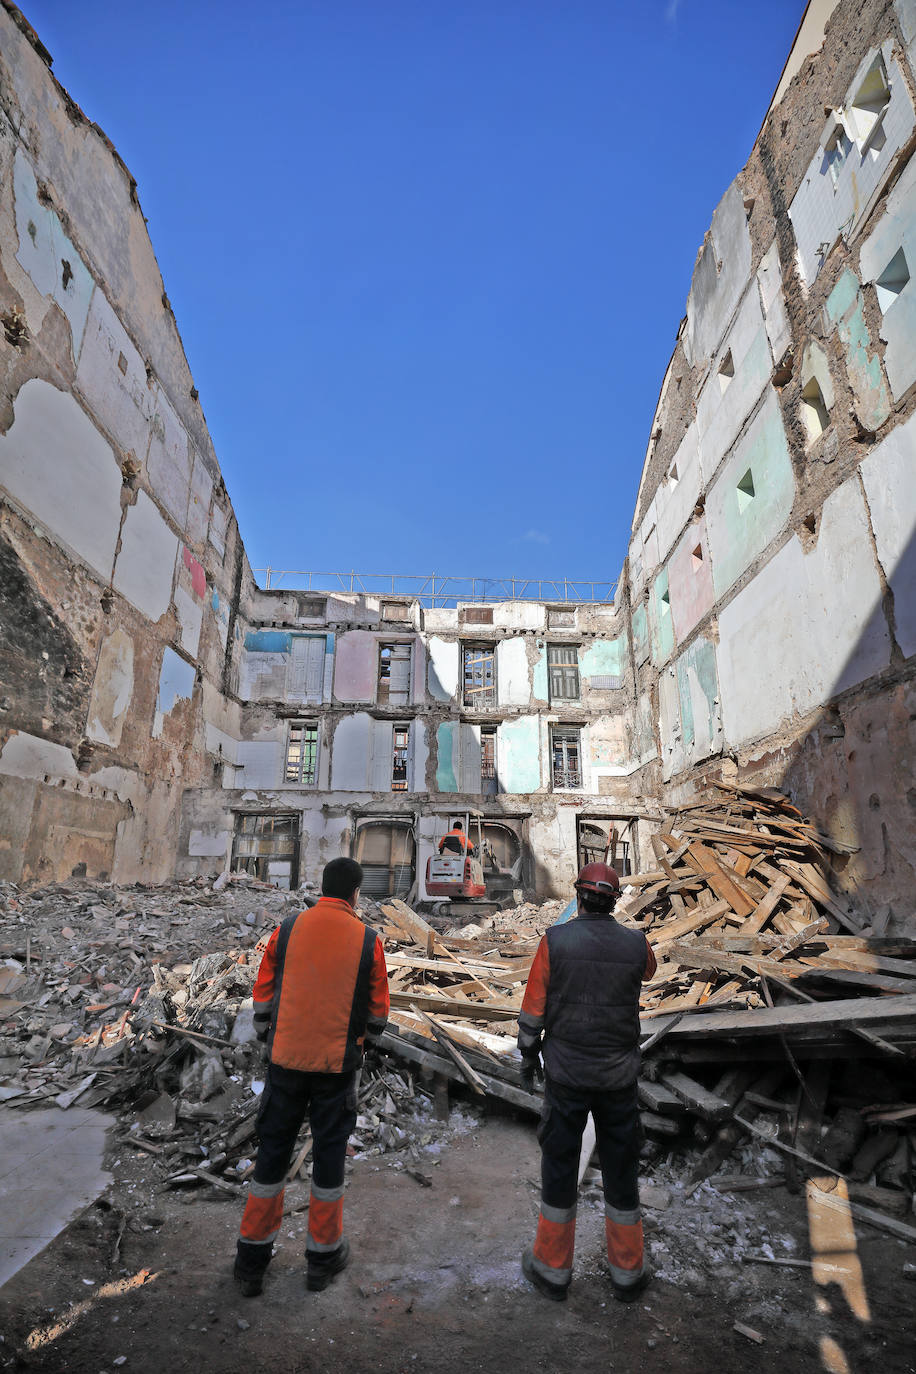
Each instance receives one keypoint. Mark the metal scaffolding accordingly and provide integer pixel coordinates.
(435, 589)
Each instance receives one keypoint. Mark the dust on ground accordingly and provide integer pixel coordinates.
(142, 1281)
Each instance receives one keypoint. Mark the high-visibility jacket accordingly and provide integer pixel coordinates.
(457, 841)
(321, 990)
(583, 997)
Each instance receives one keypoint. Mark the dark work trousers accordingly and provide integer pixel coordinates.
(618, 1139)
(617, 1132)
(329, 1100)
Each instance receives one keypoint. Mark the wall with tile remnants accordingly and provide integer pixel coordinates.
(771, 570)
(119, 554)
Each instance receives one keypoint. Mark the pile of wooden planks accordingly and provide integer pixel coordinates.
(741, 902)
(455, 1002)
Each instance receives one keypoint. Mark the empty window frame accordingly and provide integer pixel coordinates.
(267, 847)
(488, 778)
(605, 840)
(302, 753)
(566, 755)
(868, 106)
(400, 757)
(479, 674)
(563, 672)
(394, 674)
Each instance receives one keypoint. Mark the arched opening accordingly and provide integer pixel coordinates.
(387, 851)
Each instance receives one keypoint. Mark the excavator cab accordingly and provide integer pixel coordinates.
(455, 872)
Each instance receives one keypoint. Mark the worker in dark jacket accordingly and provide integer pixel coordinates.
(320, 995)
(581, 1006)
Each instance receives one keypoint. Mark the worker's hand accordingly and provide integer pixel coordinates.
(531, 1071)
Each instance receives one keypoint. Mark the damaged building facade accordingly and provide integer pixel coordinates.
(161, 714)
(370, 724)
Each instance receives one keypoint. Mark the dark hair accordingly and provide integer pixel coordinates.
(597, 904)
(457, 826)
(341, 878)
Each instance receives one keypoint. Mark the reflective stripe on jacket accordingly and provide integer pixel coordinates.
(323, 985)
(583, 992)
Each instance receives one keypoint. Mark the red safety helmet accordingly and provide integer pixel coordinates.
(600, 879)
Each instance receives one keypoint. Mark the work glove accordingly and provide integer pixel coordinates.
(531, 1071)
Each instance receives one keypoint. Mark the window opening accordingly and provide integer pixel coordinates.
(302, 753)
(745, 491)
(480, 675)
(866, 111)
(394, 674)
(664, 602)
(598, 836)
(267, 847)
(814, 410)
(672, 476)
(565, 751)
(696, 558)
(488, 778)
(726, 372)
(836, 153)
(563, 672)
(399, 757)
(561, 619)
(892, 280)
(395, 610)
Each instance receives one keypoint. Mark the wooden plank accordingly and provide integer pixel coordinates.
(695, 1097)
(455, 1006)
(470, 1075)
(860, 1032)
(844, 1014)
(762, 912)
(705, 863)
(881, 982)
(671, 930)
(695, 954)
(395, 1044)
(655, 1097)
(807, 876)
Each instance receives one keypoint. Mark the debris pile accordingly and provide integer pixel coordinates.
(768, 1000)
(773, 996)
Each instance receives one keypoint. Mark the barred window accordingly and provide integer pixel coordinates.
(566, 756)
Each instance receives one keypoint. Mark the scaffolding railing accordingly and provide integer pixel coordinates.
(436, 589)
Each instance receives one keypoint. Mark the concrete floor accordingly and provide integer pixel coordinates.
(50, 1169)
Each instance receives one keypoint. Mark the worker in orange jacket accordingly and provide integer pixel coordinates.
(456, 841)
(321, 994)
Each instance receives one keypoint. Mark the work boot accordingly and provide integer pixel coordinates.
(250, 1267)
(626, 1292)
(557, 1292)
(323, 1267)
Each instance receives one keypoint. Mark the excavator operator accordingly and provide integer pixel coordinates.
(456, 841)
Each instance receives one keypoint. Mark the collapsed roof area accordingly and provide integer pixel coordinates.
(161, 715)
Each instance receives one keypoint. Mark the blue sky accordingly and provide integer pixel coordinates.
(428, 259)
